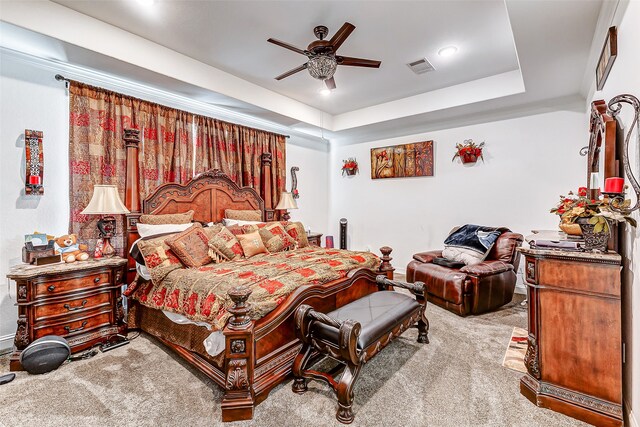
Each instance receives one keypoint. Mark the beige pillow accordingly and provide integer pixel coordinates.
(177, 218)
(243, 215)
(191, 246)
(252, 244)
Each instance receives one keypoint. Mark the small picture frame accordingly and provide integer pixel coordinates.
(607, 57)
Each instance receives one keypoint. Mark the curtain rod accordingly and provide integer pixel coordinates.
(61, 78)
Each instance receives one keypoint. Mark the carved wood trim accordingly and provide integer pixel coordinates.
(531, 357)
(237, 377)
(582, 399)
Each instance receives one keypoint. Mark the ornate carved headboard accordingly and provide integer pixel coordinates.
(208, 194)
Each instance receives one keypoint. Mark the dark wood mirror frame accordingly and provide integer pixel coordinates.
(604, 130)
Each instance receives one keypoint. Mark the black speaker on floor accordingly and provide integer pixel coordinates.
(45, 354)
(343, 233)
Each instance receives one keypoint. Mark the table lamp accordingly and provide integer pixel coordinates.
(106, 202)
(286, 202)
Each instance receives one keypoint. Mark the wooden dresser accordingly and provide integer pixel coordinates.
(315, 239)
(80, 301)
(574, 356)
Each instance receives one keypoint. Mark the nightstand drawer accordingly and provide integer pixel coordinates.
(74, 325)
(73, 305)
(47, 289)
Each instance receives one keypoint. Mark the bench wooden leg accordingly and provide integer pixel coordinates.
(423, 330)
(345, 393)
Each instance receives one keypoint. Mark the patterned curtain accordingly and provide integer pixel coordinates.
(236, 150)
(97, 153)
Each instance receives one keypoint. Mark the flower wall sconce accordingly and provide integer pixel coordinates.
(469, 152)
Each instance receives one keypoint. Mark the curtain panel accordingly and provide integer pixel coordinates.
(97, 118)
(237, 151)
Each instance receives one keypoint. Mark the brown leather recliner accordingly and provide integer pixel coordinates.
(472, 289)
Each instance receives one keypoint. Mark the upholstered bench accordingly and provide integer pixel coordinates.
(355, 333)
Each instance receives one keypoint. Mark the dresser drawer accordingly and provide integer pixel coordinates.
(47, 289)
(73, 305)
(73, 325)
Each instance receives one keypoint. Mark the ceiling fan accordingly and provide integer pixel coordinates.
(323, 61)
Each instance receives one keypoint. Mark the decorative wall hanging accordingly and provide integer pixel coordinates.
(469, 152)
(294, 182)
(607, 57)
(349, 167)
(404, 160)
(34, 162)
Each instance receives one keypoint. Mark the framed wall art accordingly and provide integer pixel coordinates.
(400, 161)
(607, 57)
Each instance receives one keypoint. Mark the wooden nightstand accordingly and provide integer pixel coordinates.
(315, 239)
(80, 301)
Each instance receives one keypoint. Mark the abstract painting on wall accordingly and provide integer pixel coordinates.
(401, 161)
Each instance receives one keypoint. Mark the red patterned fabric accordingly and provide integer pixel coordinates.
(201, 293)
(237, 151)
(97, 154)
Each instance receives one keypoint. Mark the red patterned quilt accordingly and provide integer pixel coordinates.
(201, 293)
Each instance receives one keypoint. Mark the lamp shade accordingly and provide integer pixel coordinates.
(286, 201)
(105, 200)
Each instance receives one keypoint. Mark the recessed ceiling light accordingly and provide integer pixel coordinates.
(325, 92)
(146, 2)
(447, 51)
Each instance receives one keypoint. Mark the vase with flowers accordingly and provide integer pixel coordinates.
(469, 151)
(349, 167)
(593, 217)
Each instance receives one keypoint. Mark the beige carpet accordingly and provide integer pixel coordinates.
(457, 380)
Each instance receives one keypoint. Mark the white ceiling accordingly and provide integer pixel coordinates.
(232, 36)
(518, 56)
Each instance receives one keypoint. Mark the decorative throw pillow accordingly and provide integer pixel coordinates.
(225, 245)
(147, 230)
(158, 257)
(470, 243)
(299, 234)
(252, 244)
(243, 215)
(191, 246)
(275, 237)
(177, 218)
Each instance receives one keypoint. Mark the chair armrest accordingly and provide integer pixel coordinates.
(427, 257)
(486, 268)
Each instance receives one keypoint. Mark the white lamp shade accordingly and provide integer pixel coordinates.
(287, 201)
(105, 200)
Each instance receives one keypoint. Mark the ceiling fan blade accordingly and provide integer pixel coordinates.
(330, 83)
(290, 72)
(358, 62)
(341, 35)
(288, 46)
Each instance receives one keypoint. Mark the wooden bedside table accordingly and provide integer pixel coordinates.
(314, 238)
(80, 302)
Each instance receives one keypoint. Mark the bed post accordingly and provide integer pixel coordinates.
(238, 403)
(265, 186)
(131, 195)
(385, 265)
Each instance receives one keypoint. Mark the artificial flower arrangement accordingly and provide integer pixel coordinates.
(350, 166)
(597, 212)
(469, 151)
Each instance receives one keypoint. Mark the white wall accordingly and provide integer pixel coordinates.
(313, 205)
(30, 98)
(625, 78)
(529, 162)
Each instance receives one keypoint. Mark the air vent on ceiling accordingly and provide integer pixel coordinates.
(421, 66)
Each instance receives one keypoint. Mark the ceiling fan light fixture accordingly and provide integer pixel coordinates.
(325, 92)
(322, 67)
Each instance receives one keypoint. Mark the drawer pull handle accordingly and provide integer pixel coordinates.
(78, 307)
(69, 330)
(96, 280)
(51, 288)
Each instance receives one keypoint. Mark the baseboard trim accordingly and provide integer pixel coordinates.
(6, 342)
(631, 416)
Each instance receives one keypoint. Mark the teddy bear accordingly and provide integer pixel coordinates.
(70, 249)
